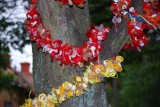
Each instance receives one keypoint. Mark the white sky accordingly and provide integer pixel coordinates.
(19, 14)
(17, 57)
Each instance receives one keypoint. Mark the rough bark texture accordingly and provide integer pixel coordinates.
(70, 25)
(113, 45)
(116, 40)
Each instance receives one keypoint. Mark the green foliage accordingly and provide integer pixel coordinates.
(4, 59)
(100, 12)
(12, 33)
(139, 82)
(6, 80)
(5, 4)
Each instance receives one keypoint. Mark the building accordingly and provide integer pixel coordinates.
(15, 86)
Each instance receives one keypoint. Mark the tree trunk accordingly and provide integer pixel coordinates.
(113, 45)
(70, 25)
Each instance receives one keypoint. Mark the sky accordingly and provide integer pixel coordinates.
(14, 15)
(17, 57)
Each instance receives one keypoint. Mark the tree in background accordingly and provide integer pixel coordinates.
(12, 28)
(12, 24)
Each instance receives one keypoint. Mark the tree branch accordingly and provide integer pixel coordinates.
(116, 40)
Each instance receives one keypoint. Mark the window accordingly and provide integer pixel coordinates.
(8, 104)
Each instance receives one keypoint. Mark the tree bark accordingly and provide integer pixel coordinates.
(116, 39)
(113, 45)
(70, 25)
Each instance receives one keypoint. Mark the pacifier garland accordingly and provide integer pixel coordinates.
(79, 3)
(93, 75)
(137, 22)
(58, 50)
(69, 55)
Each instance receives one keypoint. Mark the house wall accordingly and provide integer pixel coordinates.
(9, 97)
(23, 80)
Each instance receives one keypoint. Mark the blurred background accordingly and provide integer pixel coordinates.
(137, 86)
